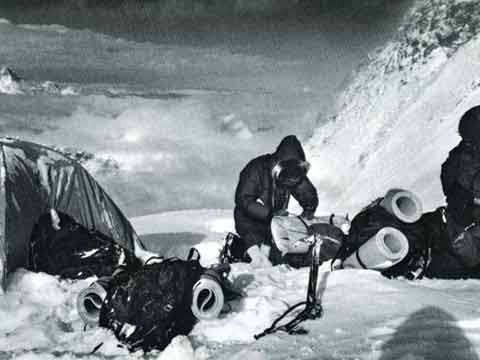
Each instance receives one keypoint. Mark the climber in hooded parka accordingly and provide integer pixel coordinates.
(263, 190)
(456, 248)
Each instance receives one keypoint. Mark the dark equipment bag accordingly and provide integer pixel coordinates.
(446, 263)
(146, 309)
(372, 219)
(234, 249)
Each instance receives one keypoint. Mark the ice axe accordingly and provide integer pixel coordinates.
(313, 308)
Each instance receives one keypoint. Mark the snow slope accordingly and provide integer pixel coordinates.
(396, 122)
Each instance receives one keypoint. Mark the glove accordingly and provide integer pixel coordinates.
(465, 246)
(259, 259)
(307, 214)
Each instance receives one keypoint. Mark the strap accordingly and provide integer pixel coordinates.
(360, 260)
(310, 312)
(96, 348)
(193, 252)
(303, 222)
(339, 254)
(287, 327)
(330, 220)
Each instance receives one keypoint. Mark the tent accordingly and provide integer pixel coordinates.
(35, 179)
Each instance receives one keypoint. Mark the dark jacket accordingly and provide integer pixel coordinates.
(257, 197)
(450, 259)
(461, 182)
(461, 185)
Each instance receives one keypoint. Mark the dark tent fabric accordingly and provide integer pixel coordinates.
(35, 179)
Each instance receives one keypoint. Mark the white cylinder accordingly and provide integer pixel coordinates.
(208, 298)
(388, 247)
(403, 204)
(89, 303)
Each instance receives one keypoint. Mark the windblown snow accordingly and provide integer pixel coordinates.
(392, 127)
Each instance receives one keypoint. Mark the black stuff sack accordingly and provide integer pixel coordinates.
(146, 309)
(371, 220)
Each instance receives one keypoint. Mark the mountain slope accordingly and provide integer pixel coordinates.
(397, 120)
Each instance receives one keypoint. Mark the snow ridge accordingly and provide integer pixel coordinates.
(12, 84)
(406, 100)
(433, 25)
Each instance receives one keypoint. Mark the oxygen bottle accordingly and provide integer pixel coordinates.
(208, 293)
(386, 248)
(90, 299)
(403, 204)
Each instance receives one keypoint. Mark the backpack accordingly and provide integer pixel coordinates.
(148, 308)
(73, 251)
(446, 263)
(234, 249)
(372, 219)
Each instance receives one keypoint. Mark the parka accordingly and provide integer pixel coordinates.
(258, 197)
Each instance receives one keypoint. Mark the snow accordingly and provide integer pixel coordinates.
(174, 233)
(8, 83)
(392, 127)
(366, 316)
(39, 319)
(179, 349)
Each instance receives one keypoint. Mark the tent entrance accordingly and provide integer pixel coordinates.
(61, 246)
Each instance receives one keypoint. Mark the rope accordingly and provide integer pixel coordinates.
(273, 328)
(310, 312)
(303, 222)
(95, 349)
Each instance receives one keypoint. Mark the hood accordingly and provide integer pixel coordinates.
(289, 148)
(469, 125)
